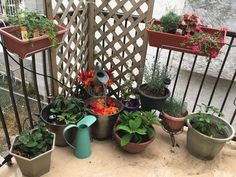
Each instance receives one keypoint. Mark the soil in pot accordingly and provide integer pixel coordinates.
(148, 91)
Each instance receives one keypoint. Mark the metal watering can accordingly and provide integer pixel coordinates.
(82, 148)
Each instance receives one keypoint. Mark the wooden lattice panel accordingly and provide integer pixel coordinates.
(72, 55)
(120, 37)
(110, 32)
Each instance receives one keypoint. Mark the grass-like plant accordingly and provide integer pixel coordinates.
(173, 107)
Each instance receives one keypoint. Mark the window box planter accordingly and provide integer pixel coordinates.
(176, 41)
(25, 48)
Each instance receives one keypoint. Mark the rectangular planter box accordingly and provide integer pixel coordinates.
(173, 41)
(38, 165)
(27, 48)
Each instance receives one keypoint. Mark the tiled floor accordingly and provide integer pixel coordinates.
(107, 160)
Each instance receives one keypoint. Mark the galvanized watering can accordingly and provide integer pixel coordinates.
(82, 148)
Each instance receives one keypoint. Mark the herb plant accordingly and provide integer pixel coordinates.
(174, 107)
(34, 21)
(33, 142)
(170, 22)
(128, 90)
(156, 79)
(68, 110)
(203, 122)
(136, 127)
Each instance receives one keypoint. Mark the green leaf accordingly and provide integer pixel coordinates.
(31, 144)
(132, 124)
(141, 131)
(125, 139)
(24, 139)
(123, 127)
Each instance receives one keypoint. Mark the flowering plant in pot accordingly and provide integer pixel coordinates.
(31, 32)
(174, 113)
(154, 92)
(129, 97)
(186, 38)
(60, 113)
(106, 110)
(88, 86)
(32, 150)
(207, 133)
(134, 131)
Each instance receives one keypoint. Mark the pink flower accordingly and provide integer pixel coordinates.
(195, 48)
(188, 36)
(214, 53)
(202, 21)
(202, 40)
(198, 28)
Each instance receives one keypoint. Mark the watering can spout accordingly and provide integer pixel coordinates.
(82, 148)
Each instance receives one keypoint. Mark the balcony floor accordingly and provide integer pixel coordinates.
(158, 160)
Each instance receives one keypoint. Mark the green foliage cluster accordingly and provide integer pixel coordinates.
(33, 21)
(170, 21)
(156, 79)
(127, 89)
(67, 109)
(136, 127)
(203, 122)
(173, 107)
(33, 142)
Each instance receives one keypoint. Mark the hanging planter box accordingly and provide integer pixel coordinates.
(175, 41)
(25, 48)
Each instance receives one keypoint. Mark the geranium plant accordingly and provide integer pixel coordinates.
(103, 106)
(189, 22)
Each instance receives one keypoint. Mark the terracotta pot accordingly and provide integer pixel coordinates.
(174, 41)
(131, 147)
(174, 123)
(25, 48)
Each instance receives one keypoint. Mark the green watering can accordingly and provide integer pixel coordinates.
(82, 140)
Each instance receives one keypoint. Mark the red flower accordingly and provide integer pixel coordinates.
(214, 53)
(100, 107)
(195, 48)
(198, 28)
(188, 36)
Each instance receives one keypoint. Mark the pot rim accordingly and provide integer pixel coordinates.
(216, 139)
(175, 118)
(21, 157)
(153, 97)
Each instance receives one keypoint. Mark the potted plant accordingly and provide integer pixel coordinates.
(32, 150)
(129, 97)
(106, 110)
(154, 92)
(134, 131)
(173, 114)
(207, 133)
(190, 35)
(60, 113)
(30, 32)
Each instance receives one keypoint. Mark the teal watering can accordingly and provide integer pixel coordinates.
(82, 140)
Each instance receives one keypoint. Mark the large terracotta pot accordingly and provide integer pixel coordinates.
(174, 123)
(29, 47)
(131, 147)
(175, 41)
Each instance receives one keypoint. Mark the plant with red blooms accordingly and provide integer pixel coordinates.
(204, 43)
(189, 22)
(103, 106)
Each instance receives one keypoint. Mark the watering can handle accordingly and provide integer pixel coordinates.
(64, 132)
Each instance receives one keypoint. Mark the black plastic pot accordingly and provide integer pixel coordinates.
(149, 102)
(56, 128)
(133, 107)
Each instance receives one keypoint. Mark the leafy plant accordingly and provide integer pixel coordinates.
(33, 142)
(136, 127)
(156, 79)
(128, 90)
(67, 109)
(170, 21)
(203, 122)
(189, 22)
(34, 21)
(174, 107)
